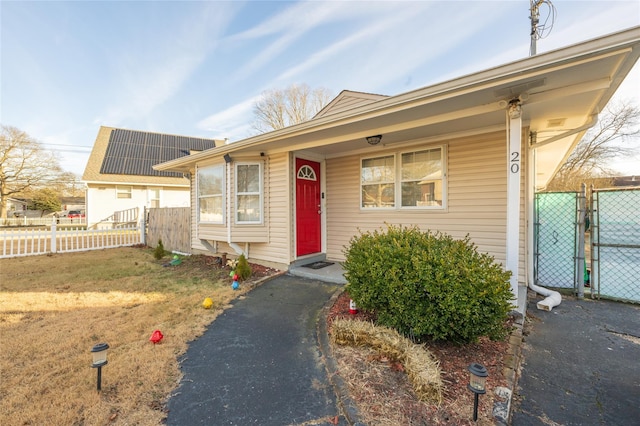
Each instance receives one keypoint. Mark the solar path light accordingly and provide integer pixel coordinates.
(99, 353)
(477, 381)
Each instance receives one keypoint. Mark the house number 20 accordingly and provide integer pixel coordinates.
(515, 158)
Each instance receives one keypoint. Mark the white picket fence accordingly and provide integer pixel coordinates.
(31, 242)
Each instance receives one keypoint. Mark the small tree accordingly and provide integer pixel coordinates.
(159, 252)
(243, 269)
(277, 109)
(46, 200)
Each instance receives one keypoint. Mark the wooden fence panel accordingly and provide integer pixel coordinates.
(172, 225)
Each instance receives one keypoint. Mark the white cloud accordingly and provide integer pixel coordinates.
(148, 84)
(233, 123)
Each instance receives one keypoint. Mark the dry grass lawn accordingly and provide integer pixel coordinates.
(53, 309)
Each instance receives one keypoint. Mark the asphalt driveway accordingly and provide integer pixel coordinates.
(580, 365)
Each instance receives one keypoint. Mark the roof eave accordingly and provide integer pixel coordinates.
(517, 70)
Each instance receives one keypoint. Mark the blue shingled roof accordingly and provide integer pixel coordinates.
(132, 152)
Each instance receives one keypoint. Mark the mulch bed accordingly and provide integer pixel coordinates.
(383, 393)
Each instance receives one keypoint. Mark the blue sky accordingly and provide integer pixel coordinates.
(196, 68)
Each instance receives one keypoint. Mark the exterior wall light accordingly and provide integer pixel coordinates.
(99, 353)
(477, 381)
(374, 140)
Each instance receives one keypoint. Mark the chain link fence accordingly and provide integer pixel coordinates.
(615, 244)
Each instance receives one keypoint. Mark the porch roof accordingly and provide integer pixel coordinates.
(562, 92)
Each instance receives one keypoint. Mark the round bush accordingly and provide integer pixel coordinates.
(428, 285)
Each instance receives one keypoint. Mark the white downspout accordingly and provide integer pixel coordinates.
(551, 300)
(231, 244)
(552, 297)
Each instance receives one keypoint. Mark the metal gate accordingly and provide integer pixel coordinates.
(615, 244)
(557, 240)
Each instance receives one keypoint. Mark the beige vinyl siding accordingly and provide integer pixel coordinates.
(476, 198)
(347, 103)
(277, 211)
(253, 233)
(196, 244)
(348, 100)
(268, 241)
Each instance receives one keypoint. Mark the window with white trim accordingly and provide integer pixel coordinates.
(416, 178)
(248, 192)
(211, 194)
(154, 197)
(377, 182)
(123, 191)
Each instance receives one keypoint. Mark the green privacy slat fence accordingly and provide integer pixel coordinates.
(555, 239)
(615, 239)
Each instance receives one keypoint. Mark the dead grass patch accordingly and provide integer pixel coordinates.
(420, 366)
(53, 309)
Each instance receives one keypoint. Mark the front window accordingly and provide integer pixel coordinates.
(421, 173)
(416, 179)
(211, 194)
(377, 180)
(248, 193)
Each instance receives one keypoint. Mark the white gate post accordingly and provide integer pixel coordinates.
(580, 265)
(143, 227)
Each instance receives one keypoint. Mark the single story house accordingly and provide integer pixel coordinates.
(463, 157)
(16, 206)
(120, 179)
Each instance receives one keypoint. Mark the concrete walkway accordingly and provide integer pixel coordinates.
(260, 363)
(580, 365)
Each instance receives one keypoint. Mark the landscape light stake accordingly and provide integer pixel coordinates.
(99, 353)
(477, 380)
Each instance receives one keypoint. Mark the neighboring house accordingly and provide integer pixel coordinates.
(16, 207)
(121, 181)
(464, 157)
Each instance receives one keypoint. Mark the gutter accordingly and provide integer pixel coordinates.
(589, 124)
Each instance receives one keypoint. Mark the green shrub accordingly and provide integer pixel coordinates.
(243, 269)
(159, 252)
(428, 285)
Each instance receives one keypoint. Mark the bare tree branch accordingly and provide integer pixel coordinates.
(277, 109)
(24, 165)
(615, 135)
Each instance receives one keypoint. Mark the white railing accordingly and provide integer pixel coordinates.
(41, 221)
(31, 242)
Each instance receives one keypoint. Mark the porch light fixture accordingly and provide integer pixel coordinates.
(374, 140)
(477, 380)
(99, 353)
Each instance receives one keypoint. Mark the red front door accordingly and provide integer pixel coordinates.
(308, 207)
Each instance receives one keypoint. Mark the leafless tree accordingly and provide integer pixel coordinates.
(24, 165)
(280, 108)
(615, 135)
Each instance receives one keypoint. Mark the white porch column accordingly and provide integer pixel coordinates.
(514, 131)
